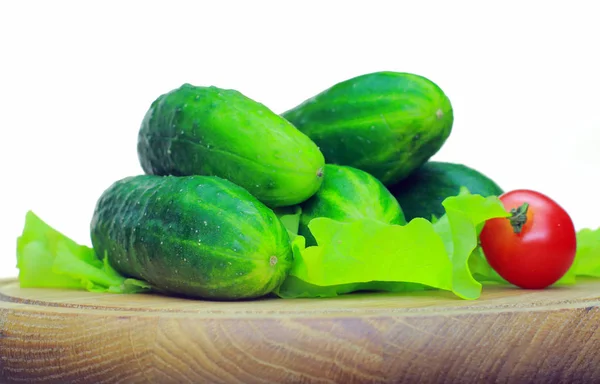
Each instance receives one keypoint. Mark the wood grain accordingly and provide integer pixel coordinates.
(509, 335)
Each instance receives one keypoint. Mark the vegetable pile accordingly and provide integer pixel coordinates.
(334, 196)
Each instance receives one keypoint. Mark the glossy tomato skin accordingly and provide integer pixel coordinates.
(544, 249)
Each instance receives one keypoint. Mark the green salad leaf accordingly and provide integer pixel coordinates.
(363, 255)
(586, 263)
(587, 258)
(290, 218)
(370, 255)
(482, 270)
(48, 259)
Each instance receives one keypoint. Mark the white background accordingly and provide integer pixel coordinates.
(76, 80)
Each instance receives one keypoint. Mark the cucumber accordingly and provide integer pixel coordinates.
(195, 236)
(385, 123)
(422, 193)
(195, 130)
(349, 194)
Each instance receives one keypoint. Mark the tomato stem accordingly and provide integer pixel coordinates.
(518, 217)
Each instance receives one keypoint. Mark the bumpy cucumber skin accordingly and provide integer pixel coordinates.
(348, 194)
(195, 130)
(385, 123)
(422, 193)
(196, 236)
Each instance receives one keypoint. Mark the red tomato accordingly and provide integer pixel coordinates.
(535, 246)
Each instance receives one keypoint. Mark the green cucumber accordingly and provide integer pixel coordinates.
(196, 236)
(385, 123)
(422, 193)
(195, 130)
(349, 194)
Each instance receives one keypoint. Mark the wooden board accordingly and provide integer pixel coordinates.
(509, 335)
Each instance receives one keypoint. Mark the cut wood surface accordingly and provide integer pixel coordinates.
(508, 335)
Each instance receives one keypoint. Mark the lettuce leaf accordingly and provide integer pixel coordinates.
(587, 258)
(482, 270)
(364, 255)
(586, 263)
(371, 255)
(290, 218)
(48, 259)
